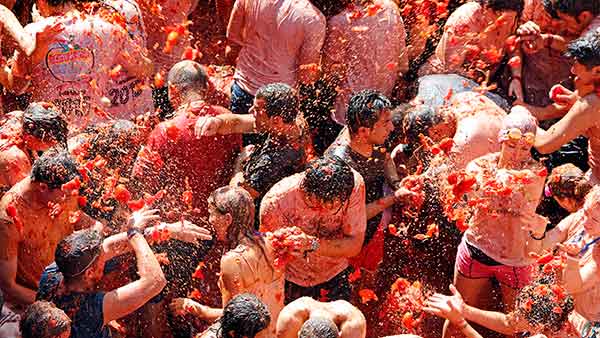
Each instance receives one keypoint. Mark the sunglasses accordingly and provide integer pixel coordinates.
(515, 135)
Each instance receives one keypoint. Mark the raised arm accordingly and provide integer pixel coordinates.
(126, 299)
(577, 278)
(10, 24)
(185, 231)
(224, 124)
(578, 120)
(457, 312)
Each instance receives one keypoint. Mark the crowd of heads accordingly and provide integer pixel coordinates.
(327, 182)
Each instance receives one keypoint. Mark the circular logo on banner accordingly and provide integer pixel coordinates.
(68, 62)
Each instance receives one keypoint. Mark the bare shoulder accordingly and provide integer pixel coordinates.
(231, 263)
(587, 105)
(345, 310)
(301, 304)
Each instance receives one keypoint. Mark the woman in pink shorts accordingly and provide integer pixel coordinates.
(503, 227)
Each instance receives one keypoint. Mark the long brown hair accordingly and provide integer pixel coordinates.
(240, 205)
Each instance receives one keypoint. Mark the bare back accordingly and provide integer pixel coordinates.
(257, 276)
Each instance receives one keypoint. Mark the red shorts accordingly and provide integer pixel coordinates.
(511, 276)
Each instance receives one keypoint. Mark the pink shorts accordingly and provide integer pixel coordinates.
(513, 277)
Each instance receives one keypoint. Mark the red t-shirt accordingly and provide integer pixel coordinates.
(173, 155)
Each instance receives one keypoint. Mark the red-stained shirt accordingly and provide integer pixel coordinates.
(173, 155)
(73, 72)
(473, 32)
(371, 47)
(284, 206)
(277, 37)
(157, 16)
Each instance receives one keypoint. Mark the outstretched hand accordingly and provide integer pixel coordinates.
(188, 232)
(141, 218)
(182, 306)
(449, 307)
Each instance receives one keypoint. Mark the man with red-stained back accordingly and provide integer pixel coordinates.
(189, 168)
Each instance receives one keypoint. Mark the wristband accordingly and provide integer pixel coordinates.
(537, 238)
(133, 232)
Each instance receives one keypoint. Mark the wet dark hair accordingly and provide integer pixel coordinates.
(418, 121)
(571, 7)
(330, 8)
(280, 100)
(43, 320)
(328, 178)
(586, 49)
(76, 253)
(45, 123)
(498, 5)
(364, 109)
(318, 327)
(568, 181)
(188, 76)
(544, 303)
(239, 204)
(244, 316)
(54, 168)
(114, 142)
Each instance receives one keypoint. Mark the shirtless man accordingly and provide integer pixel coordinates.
(479, 120)
(87, 81)
(474, 121)
(308, 318)
(34, 216)
(40, 128)
(581, 106)
(489, 252)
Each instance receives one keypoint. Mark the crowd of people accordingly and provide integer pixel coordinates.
(299, 168)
